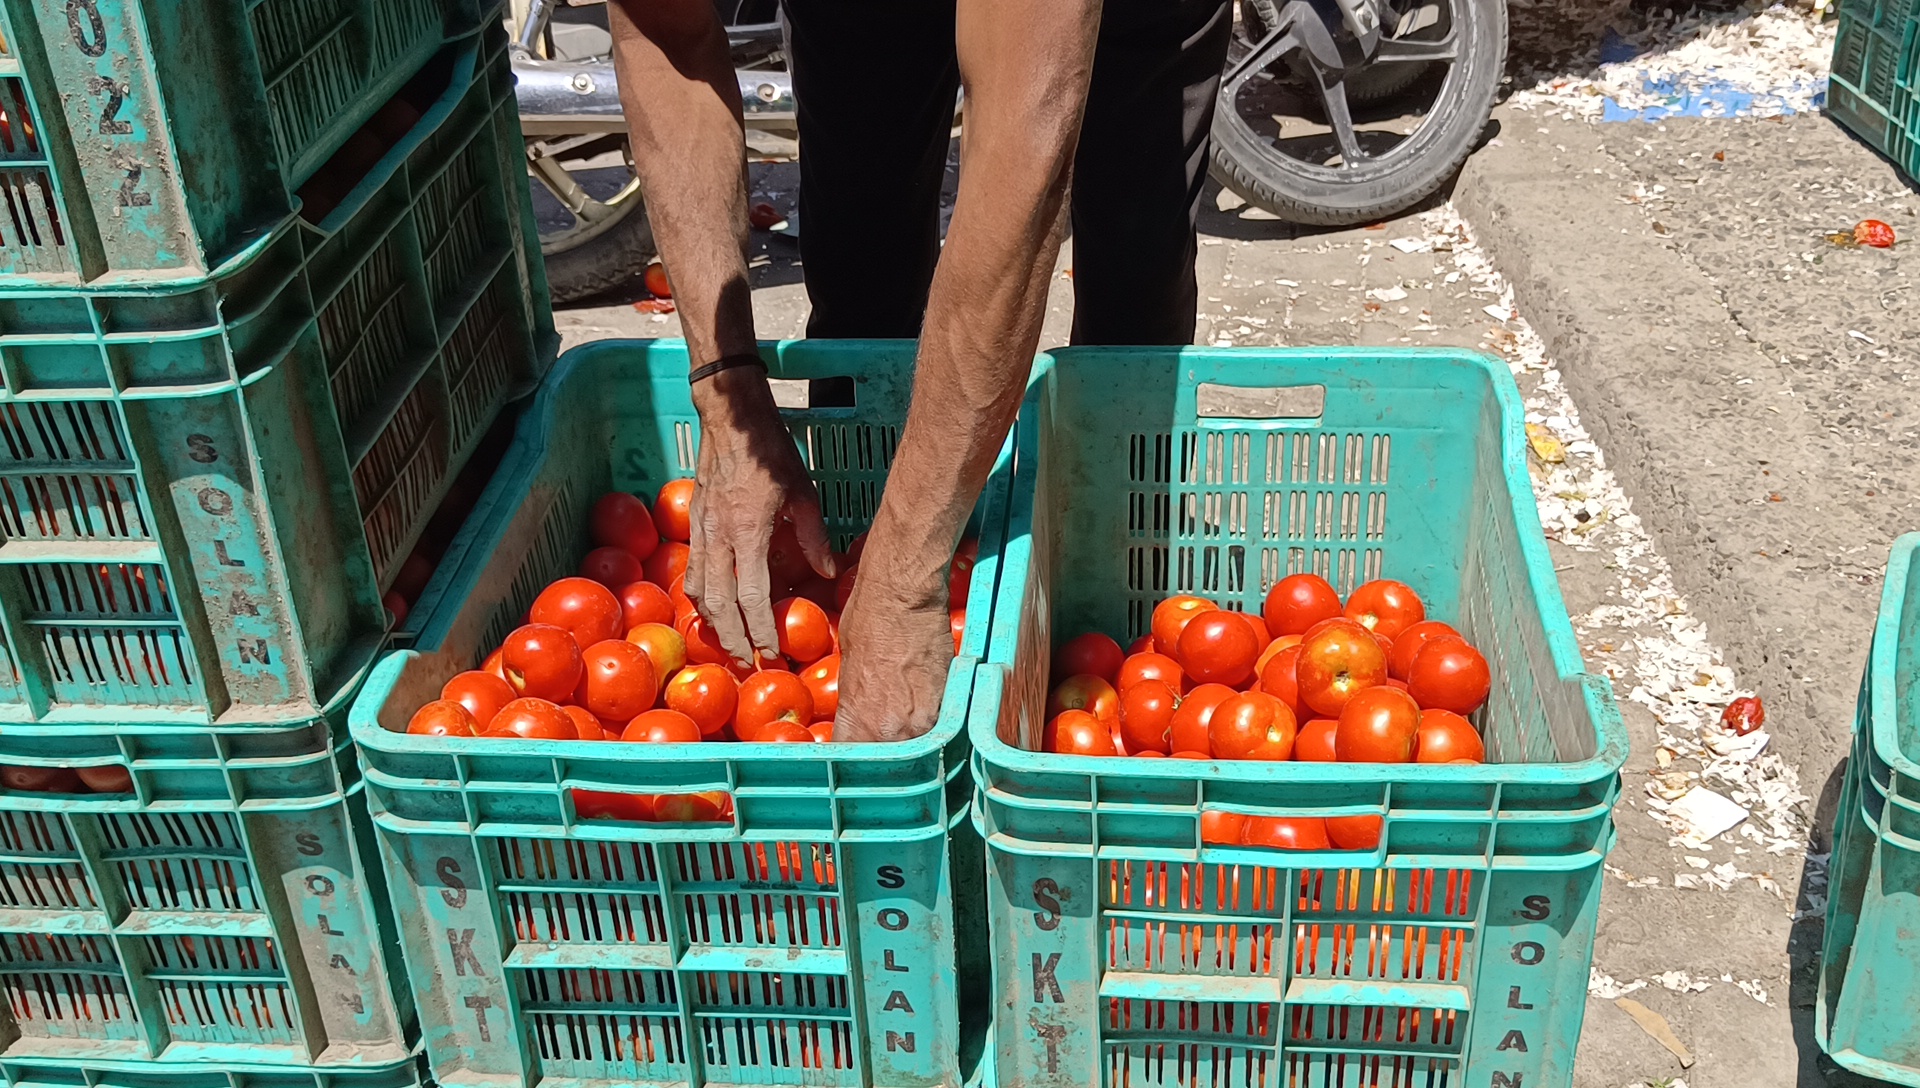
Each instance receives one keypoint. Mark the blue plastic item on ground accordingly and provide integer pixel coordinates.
(1126, 951)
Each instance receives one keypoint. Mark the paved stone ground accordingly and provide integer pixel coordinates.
(1748, 383)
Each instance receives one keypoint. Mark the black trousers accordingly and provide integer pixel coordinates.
(874, 81)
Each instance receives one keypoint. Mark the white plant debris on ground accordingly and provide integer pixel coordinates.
(1773, 58)
(1705, 781)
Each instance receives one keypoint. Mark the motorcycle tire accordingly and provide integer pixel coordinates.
(1263, 176)
(614, 258)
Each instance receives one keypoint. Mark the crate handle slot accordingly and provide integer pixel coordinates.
(1215, 401)
(802, 394)
(1406, 995)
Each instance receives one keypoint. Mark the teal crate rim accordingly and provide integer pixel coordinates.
(1882, 718)
(1610, 752)
(457, 579)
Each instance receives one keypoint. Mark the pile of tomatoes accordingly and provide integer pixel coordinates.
(1311, 678)
(619, 653)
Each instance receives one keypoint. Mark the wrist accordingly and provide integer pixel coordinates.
(733, 401)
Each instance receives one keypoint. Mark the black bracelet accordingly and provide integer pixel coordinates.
(728, 362)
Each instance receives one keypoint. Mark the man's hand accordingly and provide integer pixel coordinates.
(895, 650)
(749, 476)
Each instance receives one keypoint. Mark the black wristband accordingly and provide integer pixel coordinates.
(728, 362)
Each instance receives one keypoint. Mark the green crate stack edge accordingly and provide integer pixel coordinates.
(232, 915)
(205, 489)
(150, 139)
(829, 935)
(1868, 999)
(1870, 88)
(1125, 952)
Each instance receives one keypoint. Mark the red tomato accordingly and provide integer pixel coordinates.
(673, 513)
(656, 280)
(667, 566)
(1377, 726)
(1287, 833)
(1192, 755)
(1192, 720)
(1873, 232)
(541, 661)
(1744, 715)
(960, 570)
(107, 779)
(1400, 658)
(643, 602)
(1141, 645)
(612, 567)
(1091, 654)
(787, 565)
(1335, 662)
(1218, 648)
(595, 805)
(532, 719)
(1386, 606)
(1281, 679)
(442, 718)
(785, 732)
(1146, 717)
(1446, 737)
(1253, 725)
(1170, 618)
(1219, 828)
(664, 646)
(1354, 832)
(1448, 674)
(1077, 733)
(413, 576)
(1260, 634)
(1151, 666)
(768, 697)
(40, 779)
(482, 693)
(703, 644)
(956, 623)
(1274, 646)
(856, 548)
(712, 806)
(1386, 644)
(493, 664)
(707, 694)
(396, 607)
(620, 520)
(804, 634)
(843, 586)
(617, 680)
(764, 216)
(1314, 742)
(585, 725)
(822, 679)
(822, 731)
(661, 727)
(588, 610)
(1297, 602)
(1088, 693)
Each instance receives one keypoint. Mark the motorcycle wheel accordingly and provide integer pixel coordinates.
(1356, 168)
(594, 232)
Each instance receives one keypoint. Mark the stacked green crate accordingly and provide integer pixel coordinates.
(237, 377)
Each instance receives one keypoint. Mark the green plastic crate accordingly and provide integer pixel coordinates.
(1870, 85)
(205, 489)
(229, 913)
(1870, 955)
(149, 139)
(1125, 952)
(828, 935)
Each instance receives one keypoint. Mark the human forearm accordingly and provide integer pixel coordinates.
(682, 106)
